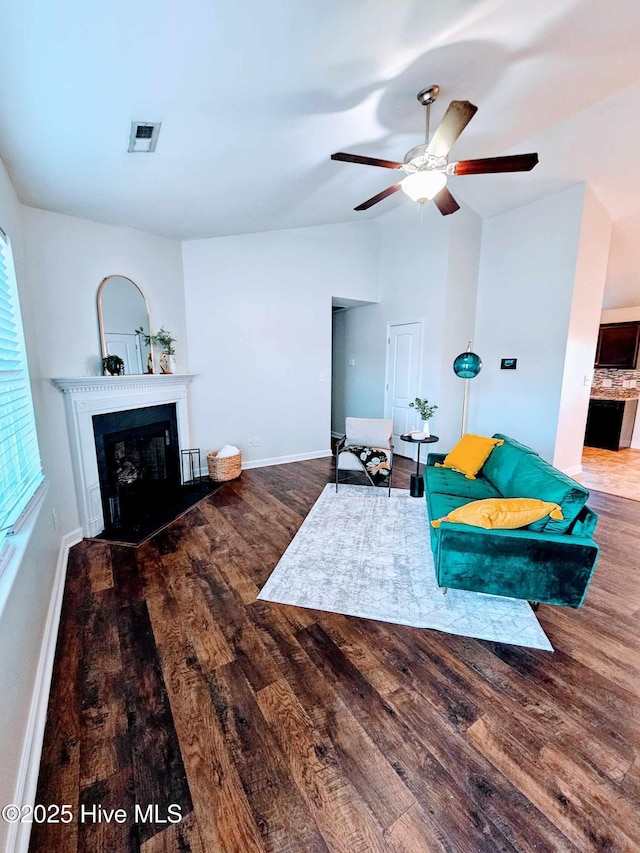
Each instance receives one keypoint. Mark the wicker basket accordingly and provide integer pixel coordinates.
(227, 468)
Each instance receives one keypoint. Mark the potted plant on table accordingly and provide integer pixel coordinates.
(426, 411)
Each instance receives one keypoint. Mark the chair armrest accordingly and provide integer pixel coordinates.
(432, 458)
(340, 444)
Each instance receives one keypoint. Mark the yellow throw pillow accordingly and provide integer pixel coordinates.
(502, 513)
(470, 454)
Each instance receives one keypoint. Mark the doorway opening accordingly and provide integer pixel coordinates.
(611, 454)
(352, 369)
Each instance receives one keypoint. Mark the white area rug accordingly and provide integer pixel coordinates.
(361, 553)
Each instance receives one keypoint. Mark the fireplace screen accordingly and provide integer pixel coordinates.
(138, 463)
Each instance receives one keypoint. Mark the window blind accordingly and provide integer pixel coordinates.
(20, 469)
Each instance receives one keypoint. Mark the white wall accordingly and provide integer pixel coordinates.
(525, 298)
(60, 262)
(428, 270)
(582, 336)
(67, 258)
(23, 618)
(459, 317)
(259, 326)
(623, 286)
(620, 315)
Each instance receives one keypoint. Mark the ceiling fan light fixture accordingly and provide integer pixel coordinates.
(423, 186)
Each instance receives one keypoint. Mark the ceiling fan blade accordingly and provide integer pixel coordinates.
(366, 161)
(376, 198)
(514, 163)
(445, 202)
(454, 121)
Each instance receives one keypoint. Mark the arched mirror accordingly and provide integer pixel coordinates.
(125, 328)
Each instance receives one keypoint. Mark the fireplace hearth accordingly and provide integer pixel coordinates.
(138, 457)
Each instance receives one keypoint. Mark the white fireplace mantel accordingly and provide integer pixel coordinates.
(86, 396)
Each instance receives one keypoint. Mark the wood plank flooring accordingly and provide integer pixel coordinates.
(278, 729)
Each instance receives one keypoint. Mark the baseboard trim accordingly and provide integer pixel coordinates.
(635, 445)
(25, 790)
(284, 460)
(571, 472)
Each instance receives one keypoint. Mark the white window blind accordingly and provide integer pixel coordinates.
(20, 469)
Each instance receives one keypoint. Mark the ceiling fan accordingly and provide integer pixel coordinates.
(427, 166)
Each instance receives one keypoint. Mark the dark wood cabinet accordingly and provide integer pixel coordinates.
(618, 345)
(610, 423)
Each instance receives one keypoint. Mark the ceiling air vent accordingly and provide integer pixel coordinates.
(143, 136)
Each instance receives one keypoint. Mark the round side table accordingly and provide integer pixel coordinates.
(417, 483)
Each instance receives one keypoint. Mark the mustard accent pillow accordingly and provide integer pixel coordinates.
(502, 513)
(470, 454)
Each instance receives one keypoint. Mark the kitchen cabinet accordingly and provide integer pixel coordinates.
(618, 345)
(610, 423)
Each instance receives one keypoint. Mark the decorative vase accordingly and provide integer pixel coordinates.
(425, 429)
(167, 363)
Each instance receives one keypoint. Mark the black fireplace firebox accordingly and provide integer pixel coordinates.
(138, 464)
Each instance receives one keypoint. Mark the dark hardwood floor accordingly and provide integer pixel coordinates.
(274, 728)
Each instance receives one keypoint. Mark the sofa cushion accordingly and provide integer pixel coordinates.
(501, 513)
(535, 478)
(470, 454)
(449, 482)
(440, 505)
(502, 461)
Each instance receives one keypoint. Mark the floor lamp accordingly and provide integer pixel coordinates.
(467, 365)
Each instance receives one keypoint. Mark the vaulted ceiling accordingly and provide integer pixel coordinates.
(255, 96)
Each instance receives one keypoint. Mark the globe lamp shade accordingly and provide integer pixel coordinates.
(467, 365)
(423, 186)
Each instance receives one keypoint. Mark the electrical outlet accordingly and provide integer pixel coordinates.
(249, 442)
(626, 383)
(607, 383)
(633, 383)
(256, 441)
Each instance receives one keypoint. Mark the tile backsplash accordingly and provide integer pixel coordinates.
(616, 376)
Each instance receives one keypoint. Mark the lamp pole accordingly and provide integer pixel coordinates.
(467, 365)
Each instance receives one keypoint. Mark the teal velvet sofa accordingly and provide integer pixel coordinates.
(548, 561)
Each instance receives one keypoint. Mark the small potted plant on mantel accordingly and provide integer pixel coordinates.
(112, 365)
(426, 412)
(165, 341)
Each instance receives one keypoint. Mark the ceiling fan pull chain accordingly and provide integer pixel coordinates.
(427, 128)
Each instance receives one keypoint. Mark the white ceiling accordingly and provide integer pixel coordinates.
(255, 96)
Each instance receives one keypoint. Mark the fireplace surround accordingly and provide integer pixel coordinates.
(89, 396)
(138, 464)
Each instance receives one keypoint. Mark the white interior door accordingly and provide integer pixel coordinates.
(127, 346)
(404, 356)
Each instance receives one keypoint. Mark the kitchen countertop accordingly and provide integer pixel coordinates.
(615, 393)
